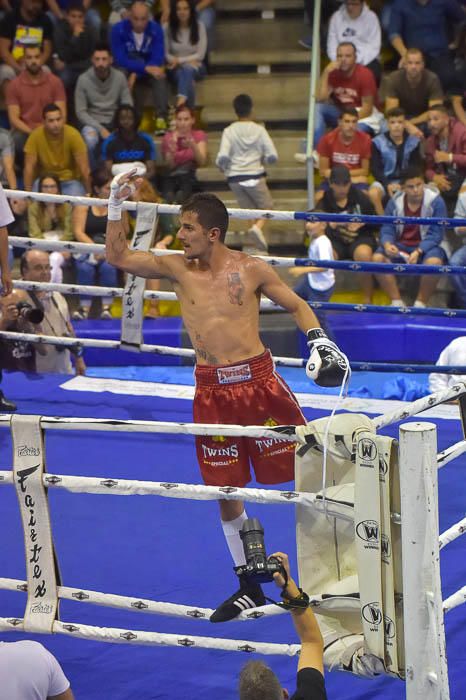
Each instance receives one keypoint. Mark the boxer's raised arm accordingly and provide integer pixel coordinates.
(136, 262)
(117, 251)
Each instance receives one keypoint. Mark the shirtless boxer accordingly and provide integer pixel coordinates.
(219, 291)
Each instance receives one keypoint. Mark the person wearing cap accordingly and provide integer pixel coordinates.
(316, 283)
(350, 241)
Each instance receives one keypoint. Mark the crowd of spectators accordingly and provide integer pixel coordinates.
(393, 140)
(75, 84)
(76, 81)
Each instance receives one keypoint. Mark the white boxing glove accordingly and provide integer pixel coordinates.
(120, 189)
(327, 365)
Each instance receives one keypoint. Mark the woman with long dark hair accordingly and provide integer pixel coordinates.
(53, 222)
(185, 49)
(184, 150)
(89, 225)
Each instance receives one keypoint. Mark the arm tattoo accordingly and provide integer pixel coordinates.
(118, 242)
(235, 288)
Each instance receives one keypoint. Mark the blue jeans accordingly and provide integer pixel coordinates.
(459, 281)
(185, 76)
(326, 115)
(207, 17)
(92, 139)
(306, 292)
(102, 274)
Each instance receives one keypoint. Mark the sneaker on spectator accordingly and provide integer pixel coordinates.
(399, 303)
(301, 158)
(306, 42)
(106, 313)
(419, 304)
(160, 126)
(257, 239)
(80, 314)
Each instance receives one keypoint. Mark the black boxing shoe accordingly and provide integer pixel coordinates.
(5, 405)
(249, 596)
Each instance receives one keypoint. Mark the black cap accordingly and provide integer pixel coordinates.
(340, 175)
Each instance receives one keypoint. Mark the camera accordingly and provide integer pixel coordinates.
(258, 568)
(29, 313)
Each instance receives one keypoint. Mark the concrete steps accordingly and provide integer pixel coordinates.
(277, 98)
(238, 6)
(264, 59)
(245, 34)
(278, 172)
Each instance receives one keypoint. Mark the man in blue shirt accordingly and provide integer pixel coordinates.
(423, 24)
(138, 48)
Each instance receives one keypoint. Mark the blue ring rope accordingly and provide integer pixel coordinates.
(374, 268)
(395, 310)
(377, 219)
(409, 368)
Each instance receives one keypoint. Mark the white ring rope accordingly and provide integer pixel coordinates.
(455, 599)
(111, 600)
(289, 433)
(146, 426)
(127, 487)
(146, 605)
(99, 248)
(116, 344)
(93, 291)
(452, 533)
(125, 636)
(451, 453)
(423, 404)
(175, 209)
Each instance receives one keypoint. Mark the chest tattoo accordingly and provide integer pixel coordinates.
(235, 288)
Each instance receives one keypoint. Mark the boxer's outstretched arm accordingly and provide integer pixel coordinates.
(275, 289)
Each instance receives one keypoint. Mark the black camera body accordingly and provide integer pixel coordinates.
(258, 568)
(29, 313)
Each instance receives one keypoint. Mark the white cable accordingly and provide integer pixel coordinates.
(341, 396)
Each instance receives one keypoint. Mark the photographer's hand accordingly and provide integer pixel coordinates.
(312, 644)
(289, 585)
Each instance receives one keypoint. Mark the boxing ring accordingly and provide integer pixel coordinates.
(426, 669)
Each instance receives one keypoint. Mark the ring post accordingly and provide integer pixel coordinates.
(426, 664)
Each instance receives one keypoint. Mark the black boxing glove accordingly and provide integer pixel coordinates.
(327, 365)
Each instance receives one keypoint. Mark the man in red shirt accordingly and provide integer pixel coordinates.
(28, 94)
(346, 83)
(345, 145)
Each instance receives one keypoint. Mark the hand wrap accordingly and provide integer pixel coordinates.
(119, 191)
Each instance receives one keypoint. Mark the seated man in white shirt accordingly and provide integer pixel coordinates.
(29, 672)
(454, 354)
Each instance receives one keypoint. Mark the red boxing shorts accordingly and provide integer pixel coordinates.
(247, 393)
